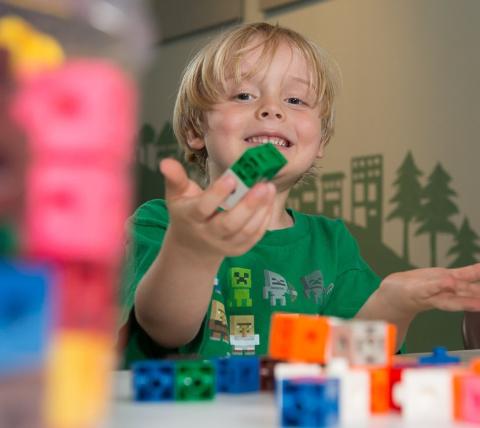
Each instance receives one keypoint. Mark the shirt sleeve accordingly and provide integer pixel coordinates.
(147, 231)
(355, 280)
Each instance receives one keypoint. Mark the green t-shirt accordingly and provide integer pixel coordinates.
(313, 267)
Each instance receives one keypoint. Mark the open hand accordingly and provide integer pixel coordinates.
(196, 224)
(435, 288)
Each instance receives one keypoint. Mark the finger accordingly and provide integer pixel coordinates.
(467, 273)
(176, 179)
(234, 220)
(458, 303)
(213, 197)
(467, 289)
(259, 231)
(255, 227)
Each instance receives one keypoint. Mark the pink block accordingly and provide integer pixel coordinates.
(82, 111)
(76, 214)
(86, 296)
(471, 399)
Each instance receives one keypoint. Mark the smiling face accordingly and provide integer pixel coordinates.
(276, 104)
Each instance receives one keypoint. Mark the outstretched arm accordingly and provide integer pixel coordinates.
(173, 296)
(402, 295)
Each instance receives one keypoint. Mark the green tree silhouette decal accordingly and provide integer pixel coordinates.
(437, 208)
(407, 199)
(167, 143)
(146, 136)
(465, 247)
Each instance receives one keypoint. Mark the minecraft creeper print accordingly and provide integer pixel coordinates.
(241, 284)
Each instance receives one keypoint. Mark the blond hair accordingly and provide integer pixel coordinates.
(204, 79)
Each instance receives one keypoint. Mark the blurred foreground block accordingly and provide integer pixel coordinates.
(25, 315)
(78, 379)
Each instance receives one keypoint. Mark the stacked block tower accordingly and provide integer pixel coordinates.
(77, 117)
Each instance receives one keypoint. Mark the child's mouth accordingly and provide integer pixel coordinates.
(276, 141)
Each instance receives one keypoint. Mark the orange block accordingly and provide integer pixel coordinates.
(460, 374)
(295, 337)
(391, 342)
(78, 379)
(282, 327)
(380, 390)
(475, 366)
(312, 334)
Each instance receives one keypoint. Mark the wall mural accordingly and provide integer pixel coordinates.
(425, 206)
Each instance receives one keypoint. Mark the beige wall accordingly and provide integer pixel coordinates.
(410, 71)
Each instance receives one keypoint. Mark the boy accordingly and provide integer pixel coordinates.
(206, 281)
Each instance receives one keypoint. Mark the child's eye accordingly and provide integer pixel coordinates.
(294, 100)
(244, 96)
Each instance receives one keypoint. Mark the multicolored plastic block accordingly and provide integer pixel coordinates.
(295, 337)
(78, 378)
(238, 374)
(309, 402)
(21, 399)
(76, 213)
(426, 395)
(267, 373)
(195, 380)
(364, 343)
(25, 315)
(256, 164)
(153, 380)
(179, 380)
(396, 371)
(379, 389)
(355, 392)
(438, 357)
(81, 113)
(86, 297)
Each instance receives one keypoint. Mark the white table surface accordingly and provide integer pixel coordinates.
(226, 411)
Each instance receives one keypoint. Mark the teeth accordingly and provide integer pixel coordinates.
(274, 140)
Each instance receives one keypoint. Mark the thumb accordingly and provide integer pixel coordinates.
(176, 179)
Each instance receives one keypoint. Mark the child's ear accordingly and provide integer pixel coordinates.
(321, 149)
(195, 142)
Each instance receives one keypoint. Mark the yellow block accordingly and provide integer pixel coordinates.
(30, 51)
(78, 379)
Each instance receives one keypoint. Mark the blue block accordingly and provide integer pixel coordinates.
(238, 374)
(25, 315)
(309, 402)
(153, 380)
(439, 357)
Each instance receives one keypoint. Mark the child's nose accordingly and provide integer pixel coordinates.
(271, 111)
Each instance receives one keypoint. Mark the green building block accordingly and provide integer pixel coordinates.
(194, 380)
(258, 163)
